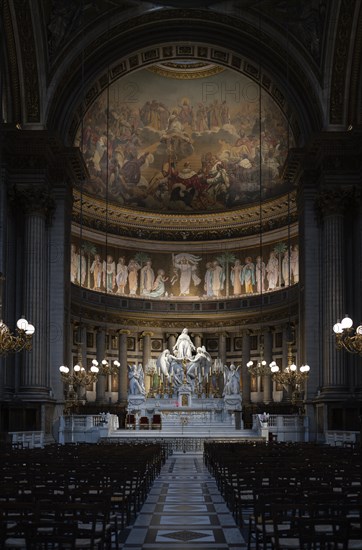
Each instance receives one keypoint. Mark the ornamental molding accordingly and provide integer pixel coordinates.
(340, 61)
(95, 214)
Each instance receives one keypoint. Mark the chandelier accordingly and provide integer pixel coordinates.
(24, 331)
(23, 340)
(346, 337)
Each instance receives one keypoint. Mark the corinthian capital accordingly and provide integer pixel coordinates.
(34, 199)
(334, 202)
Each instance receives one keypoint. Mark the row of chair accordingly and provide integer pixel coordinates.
(279, 492)
(77, 496)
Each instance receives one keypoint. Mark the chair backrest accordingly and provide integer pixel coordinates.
(323, 532)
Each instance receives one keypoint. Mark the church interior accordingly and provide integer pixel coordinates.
(181, 233)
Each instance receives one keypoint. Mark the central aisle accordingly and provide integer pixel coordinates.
(184, 510)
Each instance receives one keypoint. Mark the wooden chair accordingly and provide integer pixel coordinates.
(144, 423)
(156, 422)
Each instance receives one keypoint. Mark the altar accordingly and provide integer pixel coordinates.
(189, 393)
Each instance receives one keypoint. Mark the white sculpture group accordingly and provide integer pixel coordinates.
(183, 367)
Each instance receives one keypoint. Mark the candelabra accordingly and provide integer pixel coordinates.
(107, 367)
(77, 379)
(261, 368)
(291, 378)
(217, 370)
(150, 370)
(346, 337)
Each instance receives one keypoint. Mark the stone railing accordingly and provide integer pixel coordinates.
(288, 427)
(86, 428)
(29, 440)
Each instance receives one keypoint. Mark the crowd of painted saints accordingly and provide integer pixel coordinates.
(184, 157)
(187, 274)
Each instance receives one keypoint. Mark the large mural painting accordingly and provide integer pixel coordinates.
(200, 144)
(185, 275)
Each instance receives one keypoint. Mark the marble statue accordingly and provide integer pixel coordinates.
(231, 380)
(136, 380)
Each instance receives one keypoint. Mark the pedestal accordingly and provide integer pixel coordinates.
(232, 402)
(136, 403)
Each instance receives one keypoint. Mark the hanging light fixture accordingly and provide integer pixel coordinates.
(261, 368)
(347, 337)
(10, 343)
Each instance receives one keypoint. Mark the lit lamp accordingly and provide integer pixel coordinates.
(346, 337)
(77, 379)
(292, 378)
(107, 367)
(261, 368)
(8, 341)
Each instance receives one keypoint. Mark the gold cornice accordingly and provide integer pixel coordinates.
(185, 75)
(114, 219)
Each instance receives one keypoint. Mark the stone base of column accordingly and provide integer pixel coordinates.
(34, 394)
(334, 393)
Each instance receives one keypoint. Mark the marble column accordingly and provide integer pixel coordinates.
(100, 355)
(332, 206)
(245, 376)
(267, 381)
(146, 336)
(82, 357)
(123, 369)
(36, 203)
(222, 356)
(171, 341)
(197, 339)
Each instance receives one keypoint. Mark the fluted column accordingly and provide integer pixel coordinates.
(146, 356)
(332, 206)
(267, 381)
(100, 355)
(82, 357)
(35, 200)
(245, 376)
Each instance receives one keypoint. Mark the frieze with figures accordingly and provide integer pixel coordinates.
(185, 275)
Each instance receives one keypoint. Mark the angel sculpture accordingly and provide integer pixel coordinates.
(231, 380)
(136, 380)
(164, 362)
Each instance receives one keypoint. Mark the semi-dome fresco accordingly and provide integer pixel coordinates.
(184, 144)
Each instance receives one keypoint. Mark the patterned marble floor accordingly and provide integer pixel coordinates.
(184, 510)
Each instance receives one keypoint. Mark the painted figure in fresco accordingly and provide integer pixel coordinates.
(147, 278)
(109, 274)
(131, 170)
(136, 380)
(272, 269)
(187, 265)
(218, 182)
(231, 380)
(184, 346)
(208, 280)
(260, 272)
(122, 275)
(294, 263)
(133, 267)
(74, 262)
(235, 277)
(158, 288)
(97, 272)
(248, 275)
(218, 279)
(82, 268)
(286, 268)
